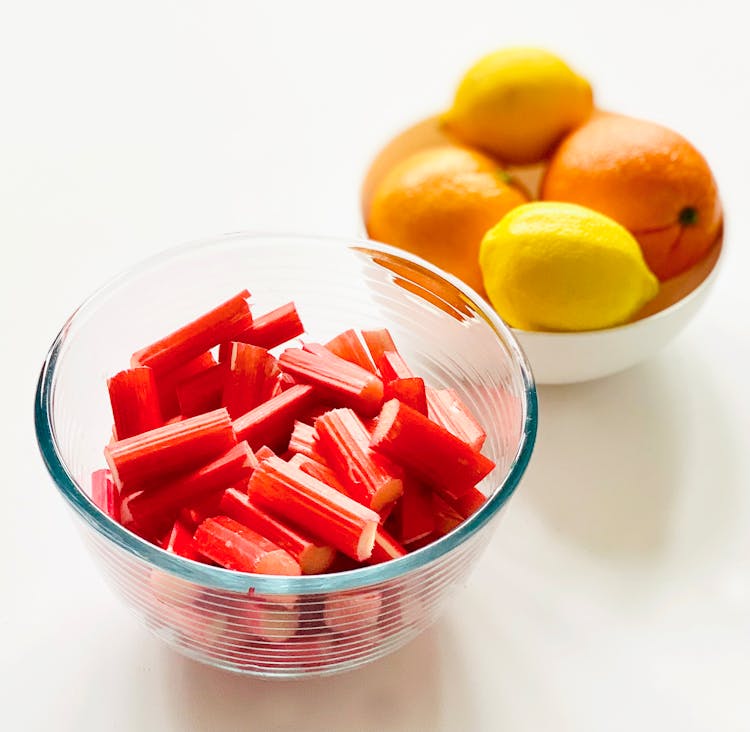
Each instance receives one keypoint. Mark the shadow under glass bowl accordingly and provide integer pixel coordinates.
(274, 626)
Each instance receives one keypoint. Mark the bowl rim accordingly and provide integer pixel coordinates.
(234, 581)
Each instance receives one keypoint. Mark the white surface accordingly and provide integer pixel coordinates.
(616, 594)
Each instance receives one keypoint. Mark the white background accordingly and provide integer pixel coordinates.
(615, 594)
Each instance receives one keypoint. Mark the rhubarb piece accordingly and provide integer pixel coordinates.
(234, 546)
(412, 516)
(313, 557)
(446, 409)
(271, 423)
(304, 441)
(378, 342)
(273, 622)
(393, 366)
(250, 379)
(181, 542)
(446, 517)
(264, 452)
(140, 461)
(348, 346)
(166, 384)
(428, 451)
(104, 493)
(135, 402)
(409, 391)
(290, 494)
(368, 477)
(352, 612)
(221, 324)
(155, 509)
(270, 329)
(470, 502)
(385, 548)
(318, 470)
(201, 392)
(345, 383)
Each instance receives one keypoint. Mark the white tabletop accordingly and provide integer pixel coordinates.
(615, 594)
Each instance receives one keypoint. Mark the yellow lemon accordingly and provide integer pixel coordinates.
(559, 266)
(517, 103)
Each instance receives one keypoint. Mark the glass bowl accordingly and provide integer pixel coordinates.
(273, 626)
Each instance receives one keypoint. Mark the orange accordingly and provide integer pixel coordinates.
(438, 203)
(649, 179)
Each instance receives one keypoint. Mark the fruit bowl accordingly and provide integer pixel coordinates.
(569, 357)
(273, 626)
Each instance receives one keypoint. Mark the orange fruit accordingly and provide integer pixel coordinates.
(438, 203)
(647, 178)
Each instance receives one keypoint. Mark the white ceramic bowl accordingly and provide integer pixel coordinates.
(564, 358)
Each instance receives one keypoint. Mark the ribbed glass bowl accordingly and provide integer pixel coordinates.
(286, 626)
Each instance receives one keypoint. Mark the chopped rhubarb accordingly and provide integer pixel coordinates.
(470, 502)
(166, 383)
(304, 441)
(445, 516)
(135, 402)
(181, 542)
(317, 470)
(271, 423)
(104, 493)
(409, 391)
(393, 366)
(141, 461)
(348, 346)
(385, 548)
(234, 546)
(353, 611)
(428, 451)
(250, 378)
(221, 324)
(264, 452)
(378, 342)
(271, 329)
(412, 517)
(343, 382)
(153, 510)
(313, 557)
(201, 392)
(446, 409)
(369, 477)
(290, 494)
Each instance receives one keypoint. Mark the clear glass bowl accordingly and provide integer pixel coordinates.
(295, 626)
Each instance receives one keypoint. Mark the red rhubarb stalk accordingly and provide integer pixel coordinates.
(290, 494)
(180, 541)
(155, 509)
(385, 548)
(369, 477)
(470, 502)
(428, 451)
(352, 612)
(201, 392)
(270, 329)
(221, 324)
(412, 515)
(104, 493)
(446, 409)
(317, 470)
(304, 441)
(410, 391)
(251, 374)
(264, 452)
(234, 546)
(313, 557)
(348, 346)
(271, 423)
(166, 383)
(140, 461)
(135, 402)
(343, 382)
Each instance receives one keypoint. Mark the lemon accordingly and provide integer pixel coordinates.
(559, 266)
(517, 103)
